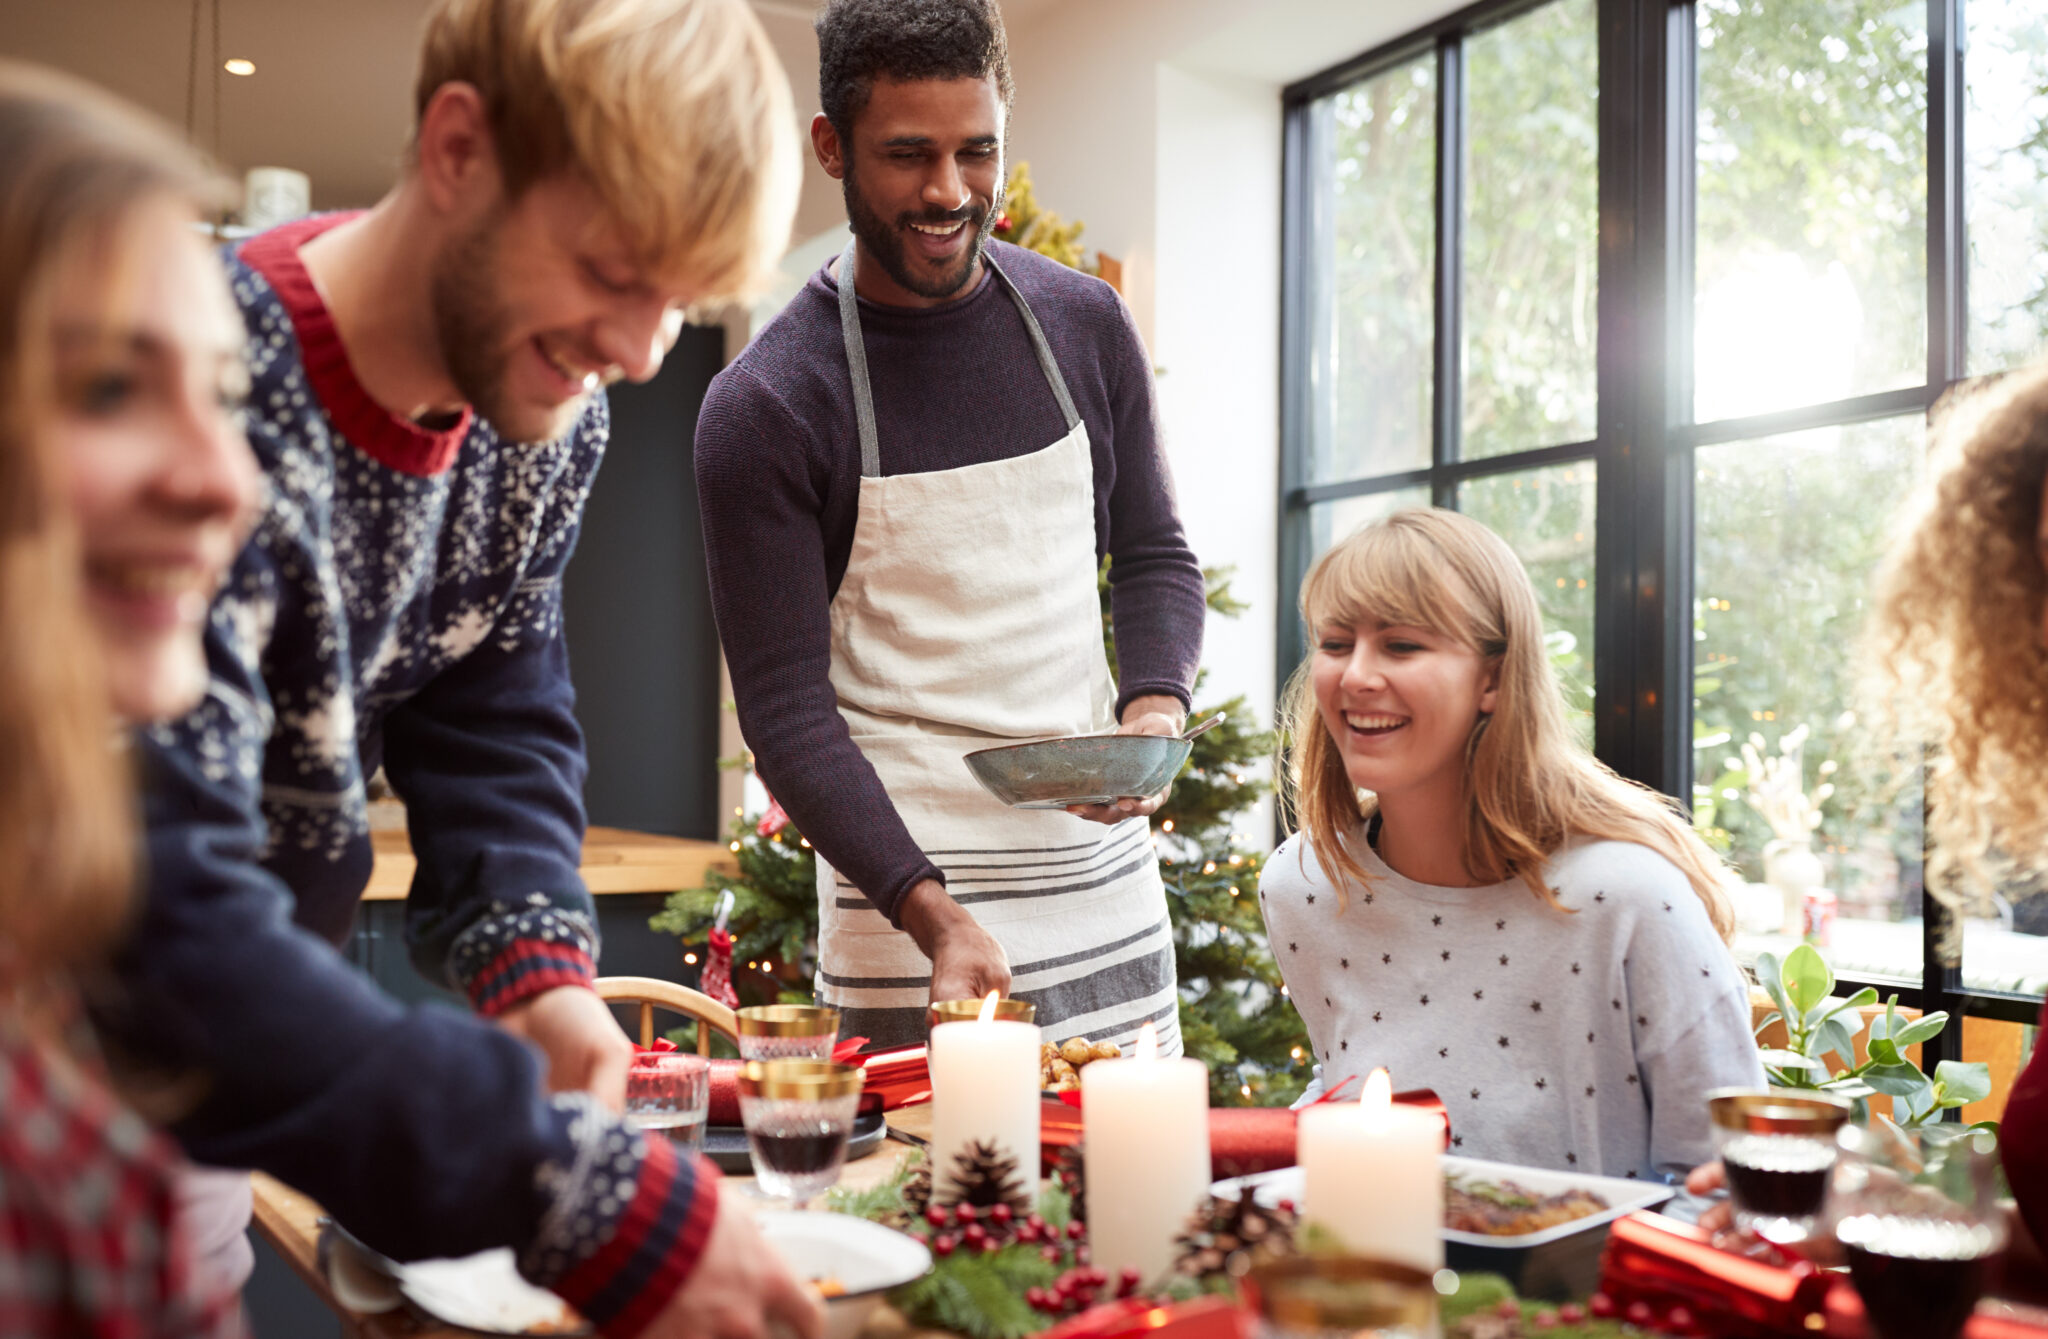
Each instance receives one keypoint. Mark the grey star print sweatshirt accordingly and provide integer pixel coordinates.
(1584, 1039)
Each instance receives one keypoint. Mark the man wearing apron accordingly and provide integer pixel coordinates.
(908, 482)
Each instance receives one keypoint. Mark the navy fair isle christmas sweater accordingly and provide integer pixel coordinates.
(398, 604)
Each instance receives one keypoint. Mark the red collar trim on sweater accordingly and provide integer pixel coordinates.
(376, 431)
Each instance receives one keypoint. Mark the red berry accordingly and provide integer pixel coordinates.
(1034, 1222)
(1639, 1313)
(1508, 1309)
(937, 1216)
(963, 1213)
(1035, 1298)
(1678, 1320)
(1286, 1206)
(975, 1234)
(1002, 1213)
(1081, 1254)
(1049, 1254)
(1601, 1305)
(1126, 1281)
(1571, 1313)
(942, 1246)
(1546, 1319)
(989, 1245)
(1026, 1233)
(1075, 1229)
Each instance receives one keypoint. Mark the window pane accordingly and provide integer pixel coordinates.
(1329, 522)
(1789, 530)
(2005, 130)
(1546, 516)
(1532, 200)
(1372, 309)
(1811, 263)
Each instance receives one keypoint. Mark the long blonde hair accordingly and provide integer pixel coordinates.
(76, 167)
(1954, 641)
(1529, 785)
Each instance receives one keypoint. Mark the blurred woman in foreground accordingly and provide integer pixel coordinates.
(124, 491)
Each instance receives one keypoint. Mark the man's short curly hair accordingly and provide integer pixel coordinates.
(860, 41)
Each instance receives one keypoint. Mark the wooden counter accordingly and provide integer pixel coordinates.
(614, 861)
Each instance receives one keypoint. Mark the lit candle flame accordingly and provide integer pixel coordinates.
(988, 1007)
(1148, 1044)
(1378, 1094)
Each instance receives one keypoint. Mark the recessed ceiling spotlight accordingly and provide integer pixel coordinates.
(240, 66)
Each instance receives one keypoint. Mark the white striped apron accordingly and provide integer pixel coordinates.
(967, 618)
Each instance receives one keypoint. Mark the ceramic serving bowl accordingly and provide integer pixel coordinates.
(864, 1260)
(1079, 769)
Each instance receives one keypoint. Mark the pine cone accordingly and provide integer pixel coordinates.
(1224, 1228)
(984, 1177)
(917, 1190)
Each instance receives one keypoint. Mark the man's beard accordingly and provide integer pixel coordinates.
(473, 331)
(884, 241)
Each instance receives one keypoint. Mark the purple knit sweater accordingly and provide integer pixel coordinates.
(778, 478)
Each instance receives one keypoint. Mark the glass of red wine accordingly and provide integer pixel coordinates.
(1777, 1149)
(1916, 1212)
(799, 1115)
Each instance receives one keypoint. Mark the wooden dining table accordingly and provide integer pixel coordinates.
(290, 1222)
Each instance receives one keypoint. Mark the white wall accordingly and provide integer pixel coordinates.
(1158, 123)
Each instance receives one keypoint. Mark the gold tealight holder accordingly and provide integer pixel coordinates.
(968, 1011)
(1349, 1295)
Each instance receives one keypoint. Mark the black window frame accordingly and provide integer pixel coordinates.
(1644, 443)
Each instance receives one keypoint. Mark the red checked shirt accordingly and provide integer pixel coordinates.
(86, 1245)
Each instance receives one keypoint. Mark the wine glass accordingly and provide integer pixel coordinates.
(669, 1093)
(788, 1032)
(1777, 1150)
(1916, 1211)
(799, 1115)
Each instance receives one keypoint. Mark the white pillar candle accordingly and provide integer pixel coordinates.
(984, 1088)
(1145, 1129)
(1370, 1176)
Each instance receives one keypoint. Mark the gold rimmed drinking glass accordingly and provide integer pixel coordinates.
(1777, 1150)
(799, 1115)
(788, 1032)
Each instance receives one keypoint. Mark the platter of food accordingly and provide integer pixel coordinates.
(1540, 1228)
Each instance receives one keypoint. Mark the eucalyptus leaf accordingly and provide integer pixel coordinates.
(1789, 1059)
(1808, 979)
(1967, 1081)
(1921, 1029)
(1867, 995)
(1772, 1017)
(1770, 974)
(1849, 1090)
(1896, 1080)
(1885, 1052)
(1835, 1036)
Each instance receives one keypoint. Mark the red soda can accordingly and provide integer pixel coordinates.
(1819, 908)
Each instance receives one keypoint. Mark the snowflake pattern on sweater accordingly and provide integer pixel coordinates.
(399, 604)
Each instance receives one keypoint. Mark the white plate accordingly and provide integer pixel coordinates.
(866, 1258)
(1623, 1196)
(485, 1292)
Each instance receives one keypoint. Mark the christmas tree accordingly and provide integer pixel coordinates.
(1234, 1013)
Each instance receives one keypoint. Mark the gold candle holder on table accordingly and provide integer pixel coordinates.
(787, 1032)
(1356, 1297)
(967, 1011)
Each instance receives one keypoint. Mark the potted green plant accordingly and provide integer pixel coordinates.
(1818, 1025)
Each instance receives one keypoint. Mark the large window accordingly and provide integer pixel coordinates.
(1664, 292)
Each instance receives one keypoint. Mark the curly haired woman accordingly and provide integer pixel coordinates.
(1959, 643)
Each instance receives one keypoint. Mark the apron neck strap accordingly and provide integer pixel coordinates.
(857, 359)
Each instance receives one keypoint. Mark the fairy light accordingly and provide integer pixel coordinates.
(1168, 825)
(735, 846)
(690, 959)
